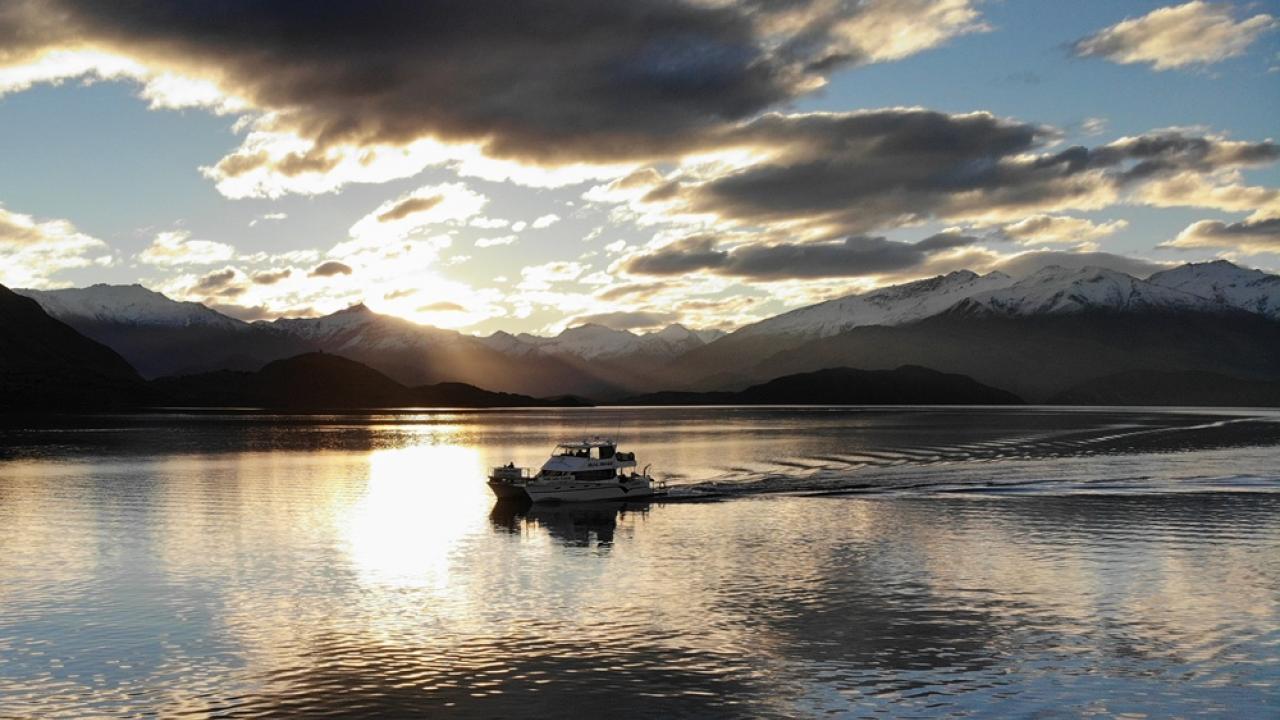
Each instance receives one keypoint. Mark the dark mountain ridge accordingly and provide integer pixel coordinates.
(906, 385)
(325, 381)
(1187, 388)
(46, 364)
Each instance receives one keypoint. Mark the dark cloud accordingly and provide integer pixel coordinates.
(1251, 235)
(442, 306)
(855, 172)
(850, 257)
(409, 206)
(625, 320)
(331, 268)
(271, 277)
(553, 80)
(215, 281)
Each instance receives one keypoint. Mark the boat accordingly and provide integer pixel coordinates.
(583, 471)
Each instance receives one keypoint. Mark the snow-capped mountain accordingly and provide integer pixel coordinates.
(1057, 290)
(1249, 290)
(416, 354)
(360, 327)
(597, 342)
(893, 305)
(128, 304)
(160, 336)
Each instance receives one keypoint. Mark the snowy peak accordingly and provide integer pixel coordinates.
(1056, 290)
(893, 305)
(588, 342)
(131, 305)
(673, 333)
(1249, 290)
(598, 342)
(360, 327)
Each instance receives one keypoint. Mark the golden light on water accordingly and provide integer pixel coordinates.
(419, 503)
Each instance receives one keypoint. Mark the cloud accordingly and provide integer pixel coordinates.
(632, 291)
(271, 277)
(1028, 263)
(404, 208)
(330, 269)
(1194, 190)
(626, 320)
(1195, 33)
(215, 281)
(1042, 228)
(850, 257)
(31, 251)
(850, 173)
(1248, 236)
(442, 306)
(542, 277)
(545, 221)
(248, 313)
(268, 217)
(430, 205)
(367, 93)
(495, 241)
(171, 249)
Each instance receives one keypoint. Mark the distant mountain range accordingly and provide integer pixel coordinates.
(907, 385)
(323, 381)
(1039, 337)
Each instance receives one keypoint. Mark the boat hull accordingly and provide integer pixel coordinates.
(585, 493)
(507, 491)
(570, 491)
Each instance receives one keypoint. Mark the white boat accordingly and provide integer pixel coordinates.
(578, 472)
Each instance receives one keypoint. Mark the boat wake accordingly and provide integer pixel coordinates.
(1233, 454)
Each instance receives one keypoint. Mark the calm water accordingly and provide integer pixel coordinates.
(812, 562)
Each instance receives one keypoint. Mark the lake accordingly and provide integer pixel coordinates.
(844, 562)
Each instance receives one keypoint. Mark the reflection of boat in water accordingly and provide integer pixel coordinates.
(576, 525)
(585, 471)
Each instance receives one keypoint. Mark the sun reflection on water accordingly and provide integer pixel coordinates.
(419, 504)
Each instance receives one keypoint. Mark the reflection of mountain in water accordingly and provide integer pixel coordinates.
(573, 525)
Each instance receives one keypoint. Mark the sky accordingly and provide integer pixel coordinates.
(536, 164)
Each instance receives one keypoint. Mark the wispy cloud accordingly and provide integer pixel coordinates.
(1195, 33)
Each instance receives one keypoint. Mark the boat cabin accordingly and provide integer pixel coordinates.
(596, 459)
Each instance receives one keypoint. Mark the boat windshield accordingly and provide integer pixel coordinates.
(595, 452)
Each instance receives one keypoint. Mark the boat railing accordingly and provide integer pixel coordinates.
(508, 472)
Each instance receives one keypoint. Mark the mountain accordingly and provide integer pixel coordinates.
(594, 342)
(414, 354)
(1187, 388)
(715, 363)
(893, 305)
(45, 364)
(160, 336)
(1057, 290)
(628, 361)
(1036, 337)
(1038, 357)
(324, 381)
(906, 385)
(1249, 290)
